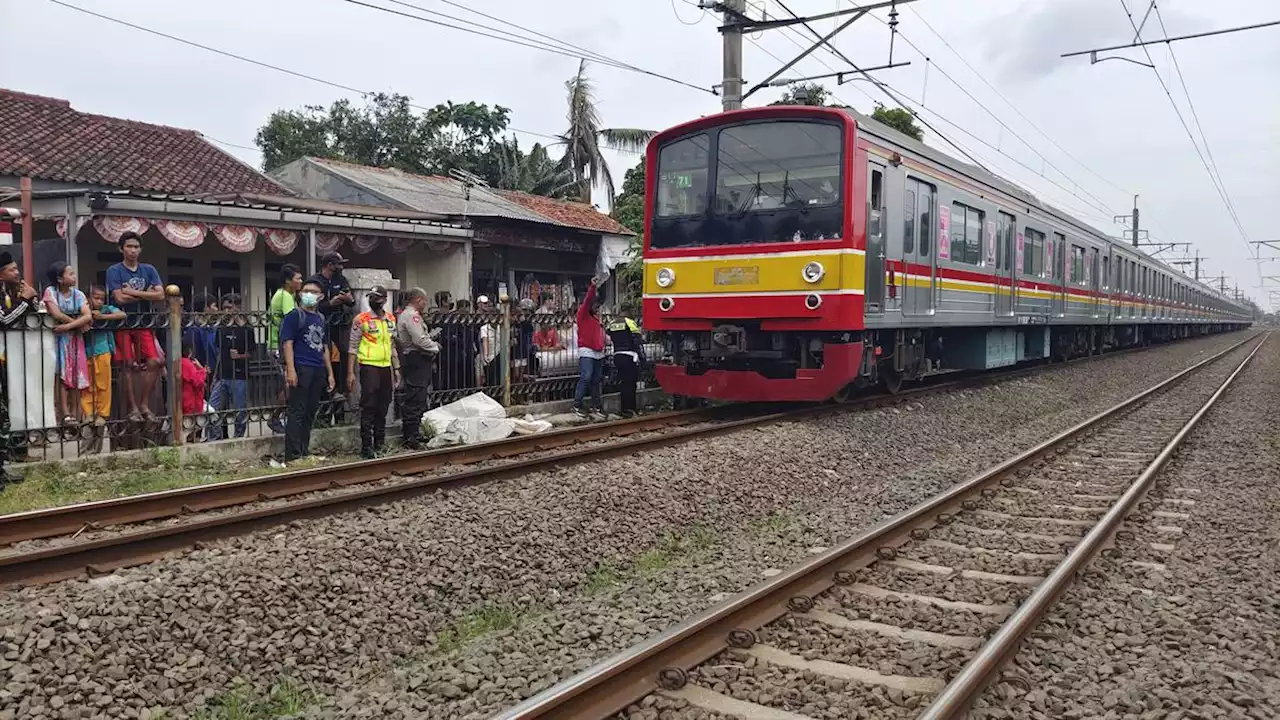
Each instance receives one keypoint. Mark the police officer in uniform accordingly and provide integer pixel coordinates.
(628, 354)
(417, 353)
(370, 351)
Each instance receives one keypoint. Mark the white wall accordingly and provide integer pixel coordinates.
(433, 271)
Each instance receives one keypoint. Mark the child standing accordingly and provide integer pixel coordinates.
(70, 308)
(193, 376)
(100, 347)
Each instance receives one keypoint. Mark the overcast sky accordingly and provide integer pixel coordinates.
(1105, 132)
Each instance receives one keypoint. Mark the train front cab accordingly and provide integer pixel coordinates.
(751, 268)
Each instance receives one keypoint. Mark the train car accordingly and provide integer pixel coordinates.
(800, 253)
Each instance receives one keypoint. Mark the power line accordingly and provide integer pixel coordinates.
(1102, 205)
(1217, 185)
(259, 63)
(1012, 105)
(883, 87)
(513, 39)
(901, 101)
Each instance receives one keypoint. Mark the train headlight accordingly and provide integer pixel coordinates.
(813, 272)
(666, 277)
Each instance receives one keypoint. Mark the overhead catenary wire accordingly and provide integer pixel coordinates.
(1217, 184)
(903, 100)
(1013, 106)
(260, 63)
(525, 42)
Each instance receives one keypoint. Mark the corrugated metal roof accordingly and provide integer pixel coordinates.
(430, 194)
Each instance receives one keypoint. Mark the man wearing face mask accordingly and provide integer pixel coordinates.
(370, 350)
(308, 372)
(335, 305)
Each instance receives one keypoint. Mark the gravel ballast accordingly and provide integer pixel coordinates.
(459, 603)
(1197, 638)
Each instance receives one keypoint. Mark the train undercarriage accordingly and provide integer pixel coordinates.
(742, 363)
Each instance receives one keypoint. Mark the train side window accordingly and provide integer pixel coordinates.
(1004, 238)
(1106, 271)
(1058, 251)
(1077, 264)
(1032, 252)
(909, 219)
(926, 218)
(966, 234)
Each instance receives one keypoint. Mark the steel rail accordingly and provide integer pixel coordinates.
(68, 519)
(101, 556)
(96, 515)
(955, 699)
(609, 686)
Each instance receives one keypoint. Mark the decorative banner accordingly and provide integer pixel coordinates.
(236, 238)
(185, 235)
(991, 242)
(364, 244)
(438, 246)
(111, 227)
(328, 242)
(61, 225)
(281, 242)
(944, 237)
(1018, 260)
(401, 245)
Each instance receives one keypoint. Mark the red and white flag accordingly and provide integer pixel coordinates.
(6, 232)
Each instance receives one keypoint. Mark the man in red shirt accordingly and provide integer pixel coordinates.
(590, 354)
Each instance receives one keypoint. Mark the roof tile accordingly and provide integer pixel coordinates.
(565, 212)
(46, 138)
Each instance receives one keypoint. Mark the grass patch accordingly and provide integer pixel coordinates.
(51, 484)
(286, 697)
(481, 621)
(602, 577)
(672, 547)
(775, 523)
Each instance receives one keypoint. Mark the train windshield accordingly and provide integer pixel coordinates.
(762, 182)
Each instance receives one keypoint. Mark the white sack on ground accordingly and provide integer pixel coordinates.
(476, 418)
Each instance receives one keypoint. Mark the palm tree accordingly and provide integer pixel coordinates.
(535, 173)
(585, 139)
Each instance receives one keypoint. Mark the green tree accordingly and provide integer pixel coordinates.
(628, 209)
(535, 173)
(387, 132)
(805, 94)
(904, 121)
(584, 139)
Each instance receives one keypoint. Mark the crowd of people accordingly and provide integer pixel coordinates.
(319, 346)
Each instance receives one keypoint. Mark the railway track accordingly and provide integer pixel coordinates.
(97, 537)
(915, 616)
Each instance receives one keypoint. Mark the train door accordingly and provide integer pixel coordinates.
(1057, 251)
(917, 248)
(1006, 287)
(874, 286)
(1095, 282)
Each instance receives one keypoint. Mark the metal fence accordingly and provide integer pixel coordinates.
(218, 370)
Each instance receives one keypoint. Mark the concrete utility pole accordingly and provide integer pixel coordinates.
(1135, 221)
(731, 86)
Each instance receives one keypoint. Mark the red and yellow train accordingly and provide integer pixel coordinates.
(798, 253)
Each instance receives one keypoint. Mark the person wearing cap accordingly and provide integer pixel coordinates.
(17, 298)
(628, 355)
(335, 306)
(371, 352)
(417, 352)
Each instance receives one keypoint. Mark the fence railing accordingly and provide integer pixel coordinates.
(84, 392)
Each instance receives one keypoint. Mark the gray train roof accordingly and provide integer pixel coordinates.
(878, 129)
